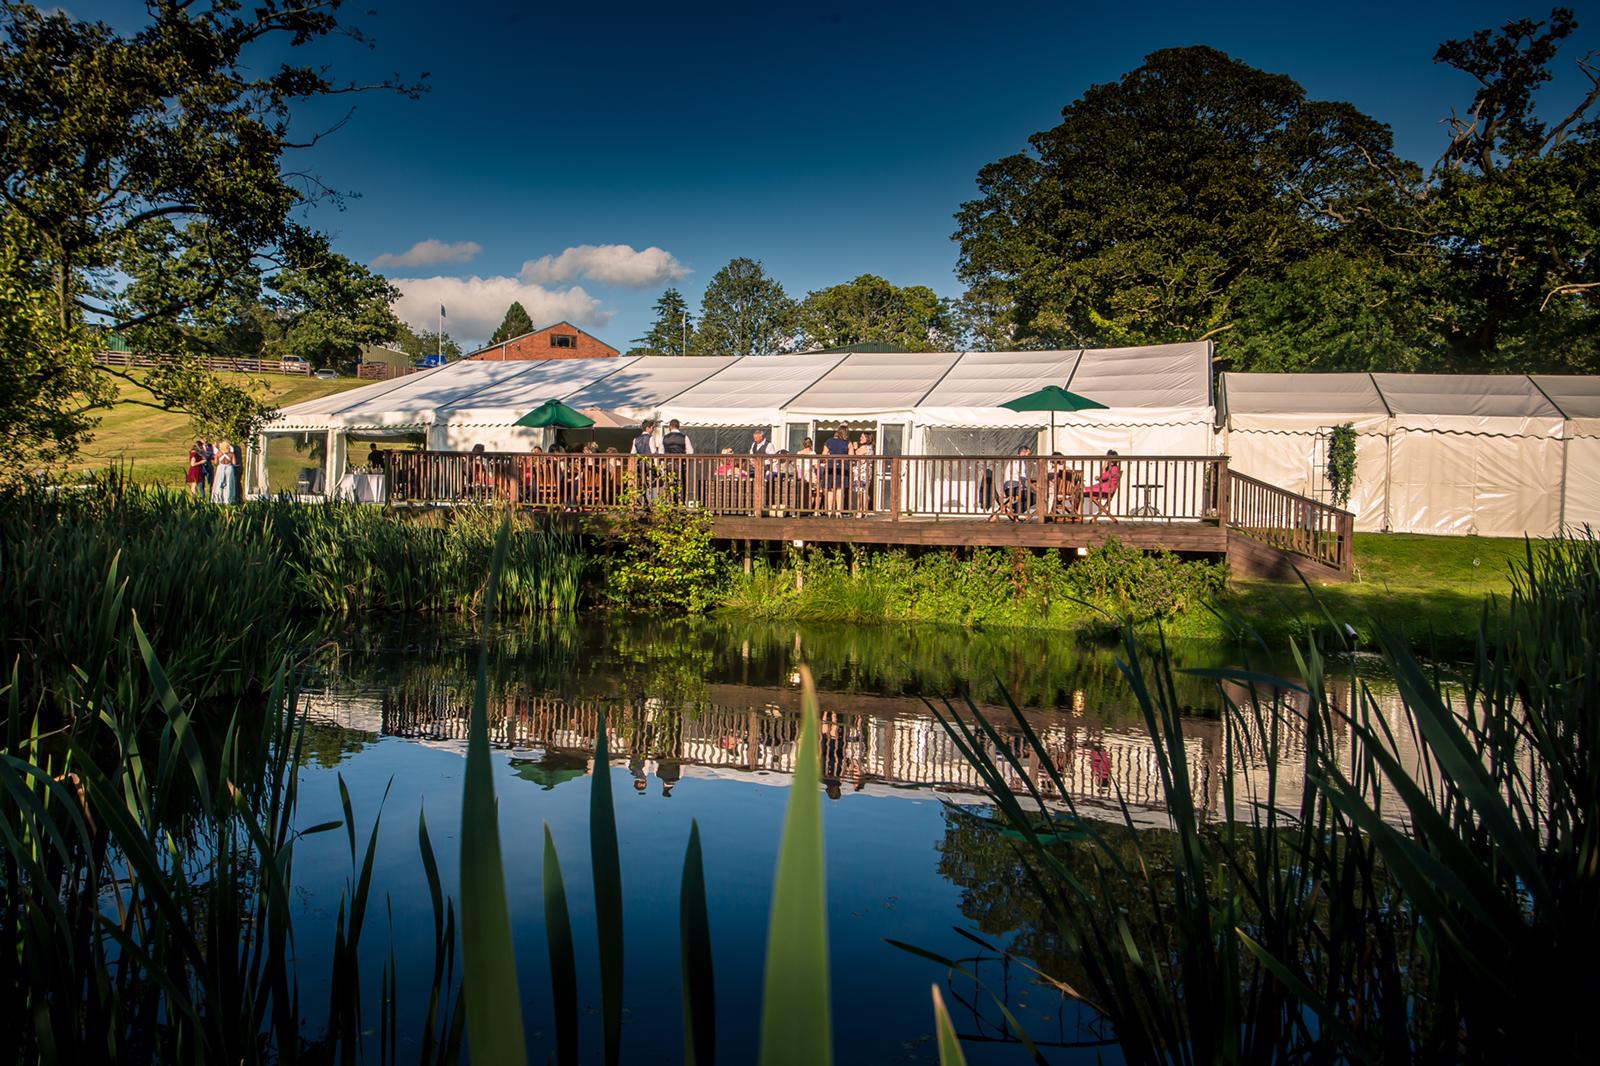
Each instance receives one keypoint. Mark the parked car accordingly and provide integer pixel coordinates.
(428, 362)
(293, 364)
(326, 375)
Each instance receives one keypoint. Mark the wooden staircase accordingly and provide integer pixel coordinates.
(1273, 532)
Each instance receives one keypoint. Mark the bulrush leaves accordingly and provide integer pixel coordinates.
(489, 962)
(796, 1018)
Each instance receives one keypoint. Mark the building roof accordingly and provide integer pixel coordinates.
(535, 332)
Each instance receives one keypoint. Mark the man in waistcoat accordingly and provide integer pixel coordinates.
(676, 443)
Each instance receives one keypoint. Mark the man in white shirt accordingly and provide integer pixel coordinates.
(760, 445)
(1017, 482)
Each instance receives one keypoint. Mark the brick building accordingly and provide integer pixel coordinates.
(560, 341)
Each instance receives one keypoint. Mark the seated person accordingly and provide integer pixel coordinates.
(1105, 486)
(1017, 482)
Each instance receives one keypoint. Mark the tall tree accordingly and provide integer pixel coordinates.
(672, 332)
(515, 324)
(1139, 217)
(331, 311)
(1513, 208)
(744, 312)
(914, 318)
(150, 171)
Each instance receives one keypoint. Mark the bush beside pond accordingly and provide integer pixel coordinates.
(1099, 592)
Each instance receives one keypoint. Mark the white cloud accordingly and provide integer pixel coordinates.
(429, 252)
(476, 305)
(615, 264)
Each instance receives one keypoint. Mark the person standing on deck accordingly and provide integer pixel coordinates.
(645, 442)
(760, 445)
(675, 442)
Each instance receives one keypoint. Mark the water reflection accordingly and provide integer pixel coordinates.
(708, 699)
(702, 716)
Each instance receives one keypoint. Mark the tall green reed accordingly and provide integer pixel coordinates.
(1426, 891)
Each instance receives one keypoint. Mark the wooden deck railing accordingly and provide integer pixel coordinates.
(1290, 522)
(1032, 489)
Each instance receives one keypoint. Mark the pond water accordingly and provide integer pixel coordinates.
(703, 717)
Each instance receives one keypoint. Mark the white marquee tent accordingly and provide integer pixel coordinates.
(1158, 398)
(1491, 454)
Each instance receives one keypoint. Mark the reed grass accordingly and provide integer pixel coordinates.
(1428, 892)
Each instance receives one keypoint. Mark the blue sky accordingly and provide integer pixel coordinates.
(826, 141)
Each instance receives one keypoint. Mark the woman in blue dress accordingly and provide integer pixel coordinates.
(835, 472)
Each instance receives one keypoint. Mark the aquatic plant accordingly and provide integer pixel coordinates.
(1426, 891)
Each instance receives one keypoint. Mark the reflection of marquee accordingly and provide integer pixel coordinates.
(860, 749)
(871, 744)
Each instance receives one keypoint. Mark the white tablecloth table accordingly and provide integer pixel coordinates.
(362, 488)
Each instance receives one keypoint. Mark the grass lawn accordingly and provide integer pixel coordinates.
(1431, 589)
(156, 443)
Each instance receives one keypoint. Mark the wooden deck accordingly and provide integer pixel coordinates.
(1177, 503)
(1195, 536)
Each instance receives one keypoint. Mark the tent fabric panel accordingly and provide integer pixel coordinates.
(1132, 438)
(424, 396)
(989, 379)
(1517, 487)
(648, 382)
(1163, 375)
(1578, 396)
(1430, 483)
(542, 380)
(1581, 499)
(339, 401)
(1469, 395)
(758, 382)
(1320, 395)
(1290, 460)
(874, 383)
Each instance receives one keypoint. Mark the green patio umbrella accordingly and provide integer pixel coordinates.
(554, 414)
(552, 770)
(1053, 398)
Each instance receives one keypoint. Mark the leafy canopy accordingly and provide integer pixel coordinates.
(151, 172)
(1200, 197)
(744, 312)
(870, 309)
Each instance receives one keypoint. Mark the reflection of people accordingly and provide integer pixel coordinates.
(1100, 766)
(832, 754)
(669, 771)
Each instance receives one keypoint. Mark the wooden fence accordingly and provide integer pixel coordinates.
(238, 365)
(1162, 489)
(1290, 522)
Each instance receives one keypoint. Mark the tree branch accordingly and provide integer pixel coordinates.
(1562, 290)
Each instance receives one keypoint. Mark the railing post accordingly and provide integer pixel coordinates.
(1039, 501)
(896, 488)
(760, 487)
(1224, 492)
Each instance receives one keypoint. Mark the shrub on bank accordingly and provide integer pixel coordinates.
(1110, 586)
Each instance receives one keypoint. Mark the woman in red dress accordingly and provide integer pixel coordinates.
(196, 473)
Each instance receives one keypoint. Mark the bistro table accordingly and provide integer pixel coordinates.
(362, 487)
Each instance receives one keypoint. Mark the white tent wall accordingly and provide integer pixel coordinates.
(1472, 453)
(1579, 400)
(1580, 503)
(1286, 451)
(1465, 481)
